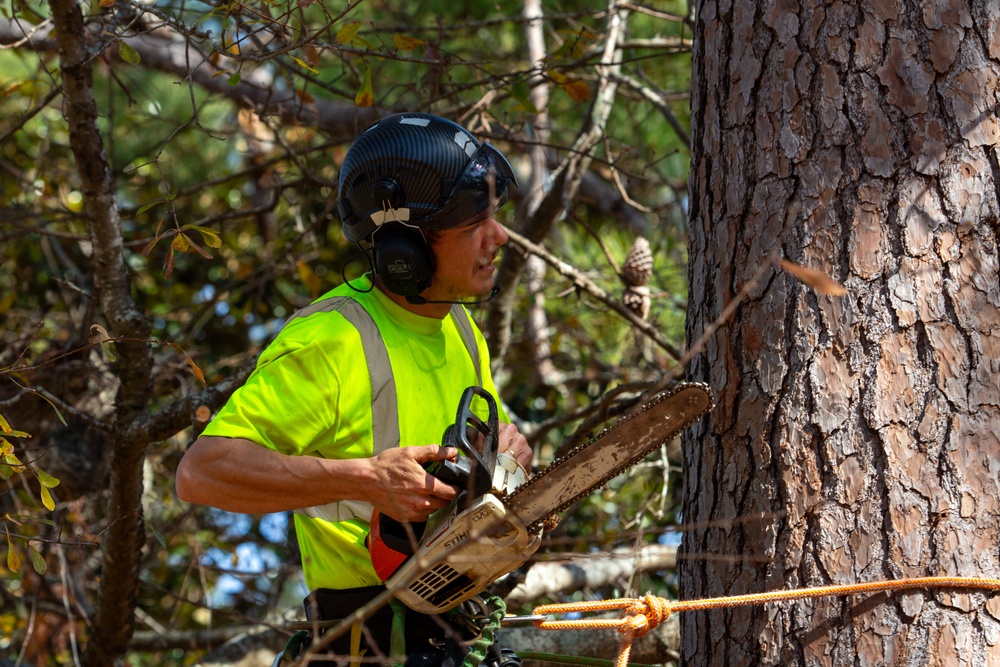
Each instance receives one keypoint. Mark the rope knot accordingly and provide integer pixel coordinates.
(644, 614)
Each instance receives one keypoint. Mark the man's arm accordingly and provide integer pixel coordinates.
(238, 475)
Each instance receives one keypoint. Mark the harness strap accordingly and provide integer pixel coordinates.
(397, 638)
(356, 652)
(496, 609)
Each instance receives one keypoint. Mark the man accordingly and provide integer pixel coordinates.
(352, 397)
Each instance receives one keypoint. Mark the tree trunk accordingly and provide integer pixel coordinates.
(855, 438)
(121, 543)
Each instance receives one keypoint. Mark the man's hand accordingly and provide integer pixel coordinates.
(512, 442)
(404, 490)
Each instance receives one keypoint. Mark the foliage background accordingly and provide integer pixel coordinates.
(223, 126)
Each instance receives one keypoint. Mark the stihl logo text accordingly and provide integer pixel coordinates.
(455, 539)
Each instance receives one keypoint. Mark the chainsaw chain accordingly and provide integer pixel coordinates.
(617, 470)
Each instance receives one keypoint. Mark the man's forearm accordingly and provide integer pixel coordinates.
(238, 475)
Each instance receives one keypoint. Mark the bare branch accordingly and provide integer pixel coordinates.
(657, 99)
(180, 414)
(565, 183)
(549, 579)
(586, 284)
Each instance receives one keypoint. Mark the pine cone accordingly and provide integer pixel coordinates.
(636, 299)
(638, 264)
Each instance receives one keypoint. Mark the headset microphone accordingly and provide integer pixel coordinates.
(418, 300)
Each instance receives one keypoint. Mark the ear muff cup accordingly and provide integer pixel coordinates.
(404, 260)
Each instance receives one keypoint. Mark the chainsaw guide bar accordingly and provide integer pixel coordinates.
(593, 464)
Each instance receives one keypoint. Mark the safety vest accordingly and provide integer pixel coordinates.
(385, 412)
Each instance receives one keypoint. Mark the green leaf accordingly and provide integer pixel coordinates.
(108, 352)
(37, 560)
(522, 93)
(56, 408)
(180, 243)
(45, 479)
(157, 534)
(145, 207)
(365, 97)
(209, 236)
(304, 64)
(234, 80)
(13, 562)
(128, 54)
(159, 537)
(50, 504)
(407, 43)
(348, 32)
(7, 302)
(13, 462)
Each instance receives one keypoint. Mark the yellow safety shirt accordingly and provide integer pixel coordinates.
(311, 394)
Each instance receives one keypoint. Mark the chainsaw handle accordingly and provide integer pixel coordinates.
(455, 473)
(458, 436)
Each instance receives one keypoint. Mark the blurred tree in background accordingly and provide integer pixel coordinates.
(167, 199)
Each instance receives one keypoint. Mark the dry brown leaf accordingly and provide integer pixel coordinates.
(99, 333)
(817, 280)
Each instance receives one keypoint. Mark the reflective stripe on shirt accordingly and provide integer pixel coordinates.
(385, 412)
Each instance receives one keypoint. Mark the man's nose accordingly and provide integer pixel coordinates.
(499, 234)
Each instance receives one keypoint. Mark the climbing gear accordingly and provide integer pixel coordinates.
(640, 615)
(392, 630)
(293, 647)
(467, 636)
(485, 612)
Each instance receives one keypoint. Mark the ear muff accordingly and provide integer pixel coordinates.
(404, 260)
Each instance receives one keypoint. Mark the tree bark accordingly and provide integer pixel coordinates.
(122, 541)
(855, 438)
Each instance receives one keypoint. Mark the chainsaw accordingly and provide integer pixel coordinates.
(496, 522)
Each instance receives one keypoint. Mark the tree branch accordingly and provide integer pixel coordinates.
(549, 579)
(658, 100)
(585, 283)
(113, 622)
(341, 120)
(565, 183)
(181, 414)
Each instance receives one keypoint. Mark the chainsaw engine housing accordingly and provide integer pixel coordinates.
(462, 555)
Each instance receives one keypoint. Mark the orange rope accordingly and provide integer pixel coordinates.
(640, 615)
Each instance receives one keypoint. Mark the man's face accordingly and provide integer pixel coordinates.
(465, 257)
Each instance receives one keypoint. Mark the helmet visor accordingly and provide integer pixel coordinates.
(481, 190)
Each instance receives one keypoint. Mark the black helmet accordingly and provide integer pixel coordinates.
(422, 170)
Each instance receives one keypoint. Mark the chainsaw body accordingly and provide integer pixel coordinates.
(473, 541)
(496, 522)
(459, 558)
